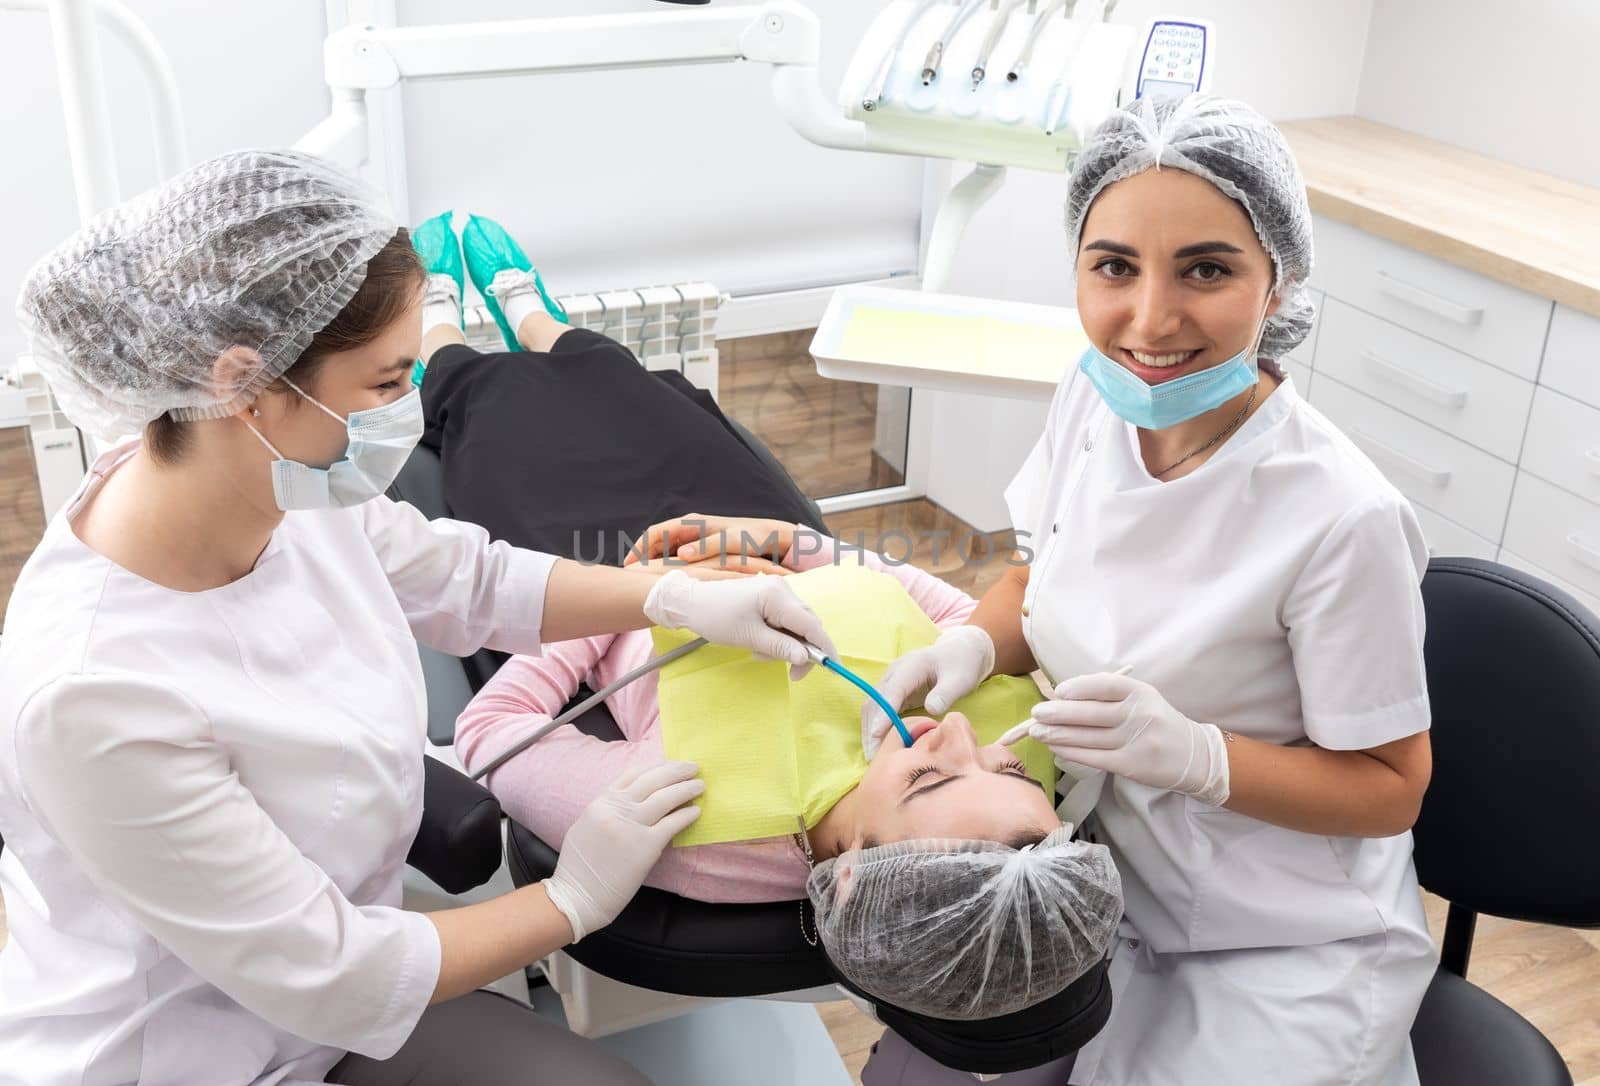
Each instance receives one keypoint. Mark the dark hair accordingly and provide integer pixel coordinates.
(394, 274)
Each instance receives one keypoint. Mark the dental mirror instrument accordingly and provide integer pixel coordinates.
(822, 659)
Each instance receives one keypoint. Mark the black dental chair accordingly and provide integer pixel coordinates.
(671, 944)
(1506, 827)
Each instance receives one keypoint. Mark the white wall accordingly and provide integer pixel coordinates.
(1515, 82)
(616, 179)
(249, 73)
(1287, 58)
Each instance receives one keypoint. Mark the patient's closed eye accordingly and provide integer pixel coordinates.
(1010, 768)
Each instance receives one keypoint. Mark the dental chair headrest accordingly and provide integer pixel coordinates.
(1048, 1030)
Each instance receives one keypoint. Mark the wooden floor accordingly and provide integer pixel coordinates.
(821, 430)
(21, 513)
(1550, 975)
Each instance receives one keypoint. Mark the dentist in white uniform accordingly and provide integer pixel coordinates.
(211, 708)
(1191, 519)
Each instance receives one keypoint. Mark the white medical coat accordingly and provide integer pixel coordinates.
(207, 797)
(1273, 592)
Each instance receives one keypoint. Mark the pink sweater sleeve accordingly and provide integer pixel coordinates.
(548, 786)
(946, 604)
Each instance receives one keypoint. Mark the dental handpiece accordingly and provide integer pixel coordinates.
(930, 66)
(873, 94)
(1021, 63)
(997, 27)
(822, 660)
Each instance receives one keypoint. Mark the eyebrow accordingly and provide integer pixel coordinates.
(1008, 772)
(1201, 248)
(396, 367)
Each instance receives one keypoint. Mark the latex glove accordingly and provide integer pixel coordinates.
(949, 670)
(758, 613)
(1124, 726)
(617, 840)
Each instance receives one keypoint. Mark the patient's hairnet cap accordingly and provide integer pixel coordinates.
(1237, 150)
(967, 930)
(247, 255)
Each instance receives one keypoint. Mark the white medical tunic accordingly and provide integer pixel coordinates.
(1275, 593)
(207, 797)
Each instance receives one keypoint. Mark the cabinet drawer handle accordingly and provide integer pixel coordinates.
(1592, 459)
(1402, 291)
(1453, 398)
(1439, 477)
(1588, 553)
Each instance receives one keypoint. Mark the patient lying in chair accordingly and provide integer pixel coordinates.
(940, 878)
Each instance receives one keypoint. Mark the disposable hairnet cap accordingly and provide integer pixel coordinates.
(247, 255)
(1237, 150)
(967, 930)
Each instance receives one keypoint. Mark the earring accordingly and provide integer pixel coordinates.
(255, 412)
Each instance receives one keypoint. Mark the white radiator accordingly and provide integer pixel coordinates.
(668, 328)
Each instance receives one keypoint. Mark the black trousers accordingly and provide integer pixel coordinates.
(577, 451)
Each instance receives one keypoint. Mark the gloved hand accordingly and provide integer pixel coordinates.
(617, 840)
(758, 613)
(949, 669)
(1125, 727)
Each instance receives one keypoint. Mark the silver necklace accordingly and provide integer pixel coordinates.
(1230, 428)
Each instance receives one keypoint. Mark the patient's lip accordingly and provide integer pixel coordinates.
(921, 727)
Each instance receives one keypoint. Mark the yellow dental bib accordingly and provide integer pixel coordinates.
(769, 749)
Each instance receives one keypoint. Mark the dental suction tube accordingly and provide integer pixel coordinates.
(586, 704)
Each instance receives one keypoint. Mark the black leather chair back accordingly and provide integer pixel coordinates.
(1514, 678)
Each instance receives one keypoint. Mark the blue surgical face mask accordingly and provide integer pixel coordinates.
(380, 441)
(1156, 407)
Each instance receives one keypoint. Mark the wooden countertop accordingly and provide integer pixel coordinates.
(1534, 231)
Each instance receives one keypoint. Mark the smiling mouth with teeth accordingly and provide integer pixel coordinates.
(1161, 361)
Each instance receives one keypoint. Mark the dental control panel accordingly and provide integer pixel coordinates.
(1013, 82)
(1175, 60)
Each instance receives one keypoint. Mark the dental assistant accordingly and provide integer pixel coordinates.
(1197, 525)
(212, 712)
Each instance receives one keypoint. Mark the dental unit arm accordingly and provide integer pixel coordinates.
(1077, 69)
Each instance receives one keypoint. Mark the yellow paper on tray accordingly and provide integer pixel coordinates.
(961, 343)
(771, 750)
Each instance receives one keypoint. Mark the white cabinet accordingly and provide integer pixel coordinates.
(1476, 315)
(1479, 401)
(1572, 357)
(1430, 467)
(1446, 537)
(1471, 400)
(1556, 529)
(1563, 444)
